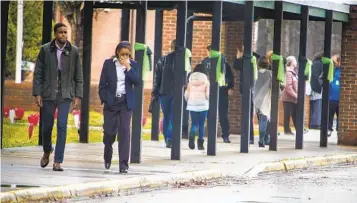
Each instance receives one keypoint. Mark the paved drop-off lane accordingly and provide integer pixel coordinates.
(333, 184)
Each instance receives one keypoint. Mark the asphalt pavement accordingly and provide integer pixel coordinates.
(325, 185)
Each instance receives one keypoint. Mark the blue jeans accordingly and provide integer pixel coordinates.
(264, 128)
(167, 107)
(48, 111)
(198, 121)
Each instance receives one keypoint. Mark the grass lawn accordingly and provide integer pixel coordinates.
(95, 118)
(16, 135)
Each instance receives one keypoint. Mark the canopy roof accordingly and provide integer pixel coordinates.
(234, 9)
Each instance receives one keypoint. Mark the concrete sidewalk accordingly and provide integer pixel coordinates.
(84, 162)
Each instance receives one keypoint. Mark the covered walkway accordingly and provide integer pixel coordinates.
(246, 11)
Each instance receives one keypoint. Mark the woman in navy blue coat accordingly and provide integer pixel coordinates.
(118, 78)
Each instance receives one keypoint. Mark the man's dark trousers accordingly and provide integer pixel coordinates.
(223, 111)
(117, 119)
(289, 110)
(48, 111)
(333, 109)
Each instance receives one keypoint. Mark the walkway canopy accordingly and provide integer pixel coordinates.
(233, 10)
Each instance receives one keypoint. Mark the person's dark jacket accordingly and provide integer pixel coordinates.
(164, 78)
(228, 76)
(316, 75)
(108, 83)
(238, 65)
(46, 73)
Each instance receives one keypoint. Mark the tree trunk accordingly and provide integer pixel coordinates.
(77, 31)
(79, 38)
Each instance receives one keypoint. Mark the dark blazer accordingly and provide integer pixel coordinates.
(316, 75)
(108, 83)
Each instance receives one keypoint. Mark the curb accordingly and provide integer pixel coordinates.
(53, 194)
(293, 164)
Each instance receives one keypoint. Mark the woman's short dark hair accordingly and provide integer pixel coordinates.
(58, 25)
(122, 45)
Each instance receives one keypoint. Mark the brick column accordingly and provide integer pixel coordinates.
(347, 134)
(232, 37)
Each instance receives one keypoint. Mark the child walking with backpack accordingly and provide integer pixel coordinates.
(197, 97)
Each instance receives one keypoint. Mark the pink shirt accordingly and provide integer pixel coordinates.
(59, 54)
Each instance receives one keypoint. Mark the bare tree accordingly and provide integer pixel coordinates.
(73, 12)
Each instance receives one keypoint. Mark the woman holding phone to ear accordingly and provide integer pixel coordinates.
(119, 76)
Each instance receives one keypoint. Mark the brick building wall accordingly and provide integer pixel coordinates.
(347, 134)
(232, 37)
(20, 95)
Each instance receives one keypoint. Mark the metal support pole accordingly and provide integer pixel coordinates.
(274, 115)
(47, 22)
(87, 60)
(214, 89)
(300, 110)
(247, 76)
(155, 131)
(4, 22)
(125, 24)
(19, 40)
(46, 37)
(135, 156)
(189, 33)
(326, 84)
(186, 114)
(179, 80)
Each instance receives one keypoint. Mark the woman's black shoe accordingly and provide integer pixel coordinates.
(289, 133)
(107, 165)
(261, 145)
(226, 140)
(123, 170)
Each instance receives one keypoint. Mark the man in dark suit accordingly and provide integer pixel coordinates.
(119, 75)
